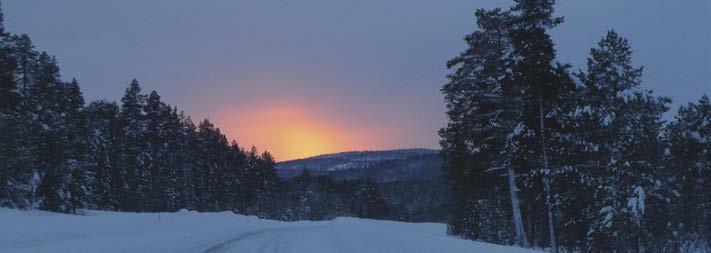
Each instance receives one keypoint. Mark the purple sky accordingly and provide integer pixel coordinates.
(370, 66)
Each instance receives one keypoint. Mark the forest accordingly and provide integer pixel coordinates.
(541, 155)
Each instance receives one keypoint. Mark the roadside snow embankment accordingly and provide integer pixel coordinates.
(37, 231)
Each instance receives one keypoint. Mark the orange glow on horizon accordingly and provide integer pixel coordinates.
(291, 131)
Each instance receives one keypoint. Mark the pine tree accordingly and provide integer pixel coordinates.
(689, 137)
(484, 105)
(156, 116)
(175, 175)
(367, 202)
(627, 122)
(267, 183)
(103, 154)
(58, 108)
(235, 176)
(249, 185)
(9, 91)
(17, 145)
(534, 70)
(211, 167)
(44, 100)
(76, 131)
(189, 165)
(26, 59)
(132, 164)
(17, 154)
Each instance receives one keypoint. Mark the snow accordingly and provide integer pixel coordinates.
(584, 110)
(519, 129)
(607, 211)
(189, 231)
(630, 94)
(607, 120)
(697, 137)
(636, 202)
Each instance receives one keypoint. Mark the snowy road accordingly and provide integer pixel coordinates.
(275, 240)
(346, 235)
(191, 232)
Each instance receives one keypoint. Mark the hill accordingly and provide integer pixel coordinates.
(381, 166)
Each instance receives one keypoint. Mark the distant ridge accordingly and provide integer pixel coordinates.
(382, 165)
(358, 152)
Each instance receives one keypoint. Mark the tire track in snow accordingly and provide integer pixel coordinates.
(221, 247)
(280, 234)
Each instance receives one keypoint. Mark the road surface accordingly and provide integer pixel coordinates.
(351, 236)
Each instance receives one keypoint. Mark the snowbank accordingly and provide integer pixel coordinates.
(187, 231)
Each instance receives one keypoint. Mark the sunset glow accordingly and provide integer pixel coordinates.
(292, 131)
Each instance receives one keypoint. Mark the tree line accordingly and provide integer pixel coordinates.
(60, 154)
(140, 155)
(540, 155)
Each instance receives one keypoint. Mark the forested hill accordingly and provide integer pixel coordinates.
(404, 184)
(383, 165)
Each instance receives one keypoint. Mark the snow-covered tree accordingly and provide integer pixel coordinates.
(625, 133)
(689, 155)
(484, 110)
(132, 162)
(534, 70)
(103, 154)
(17, 154)
(9, 91)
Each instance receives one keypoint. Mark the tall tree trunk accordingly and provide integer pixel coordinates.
(549, 206)
(546, 177)
(518, 221)
(529, 225)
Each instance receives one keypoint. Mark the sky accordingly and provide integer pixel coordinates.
(307, 77)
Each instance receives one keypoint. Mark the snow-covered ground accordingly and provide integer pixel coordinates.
(37, 231)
